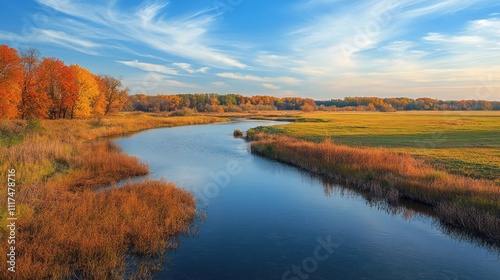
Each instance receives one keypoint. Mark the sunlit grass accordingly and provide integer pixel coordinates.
(460, 142)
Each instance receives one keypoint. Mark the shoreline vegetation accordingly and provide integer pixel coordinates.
(101, 234)
(64, 228)
(386, 172)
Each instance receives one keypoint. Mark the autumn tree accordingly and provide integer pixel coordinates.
(58, 81)
(33, 102)
(309, 105)
(10, 82)
(116, 97)
(88, 93)
(100, 103)
(123, 101)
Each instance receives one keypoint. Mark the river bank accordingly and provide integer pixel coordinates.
(467, 203)
(64, 228)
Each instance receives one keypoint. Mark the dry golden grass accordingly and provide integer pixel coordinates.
(458, 200)
(91, 234)
(64, 229)
(464, 143)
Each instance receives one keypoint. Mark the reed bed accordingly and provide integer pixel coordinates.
(66, 230)
(473, 204)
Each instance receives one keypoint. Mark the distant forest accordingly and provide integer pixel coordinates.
(212, 102)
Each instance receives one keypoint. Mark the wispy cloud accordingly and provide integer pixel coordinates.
(189, 68)
(181, 35)
(154, 83)
(477, 44)
(366, 48)
(237, 76)
(332, 41)
(271, 86)
(149, 67)
(219, 84)
(341, 47)
(54, 37)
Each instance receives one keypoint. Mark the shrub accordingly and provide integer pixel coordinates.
(183, 112)
(97, 122)
(238, 133)
(307, 108)
(234, 108)
(34, 126)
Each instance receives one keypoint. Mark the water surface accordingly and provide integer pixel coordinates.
(266, 220)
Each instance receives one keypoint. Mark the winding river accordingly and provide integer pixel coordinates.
(266, 220)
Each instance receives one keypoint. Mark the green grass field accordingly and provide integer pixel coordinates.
(466, 143)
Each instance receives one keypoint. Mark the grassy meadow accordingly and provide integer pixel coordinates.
(447, 160)
(67, 230)
(465, 143)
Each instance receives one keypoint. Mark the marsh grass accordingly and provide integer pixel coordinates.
(462, 143)
(65, 229)
(465, 202)
(91, 234)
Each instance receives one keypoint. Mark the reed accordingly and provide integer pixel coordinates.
(394, 176)
(90, 235)
(65, 229)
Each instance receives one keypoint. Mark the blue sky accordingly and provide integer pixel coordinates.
(447, 49)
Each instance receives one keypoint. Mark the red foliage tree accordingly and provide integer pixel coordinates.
(58, 82)
(33, 103)
(10, 82)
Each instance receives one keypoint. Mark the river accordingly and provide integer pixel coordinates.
(267, 220)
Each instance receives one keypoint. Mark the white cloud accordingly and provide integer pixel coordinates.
(181, 35)
(219, 84)
(49, 36)
(149, 67)
(276, 61)
(271, 86)
(237, 76)
(155, 83)
(364, 48)
(188, 68)
(333, 42)
(436, 37)
(476, 45)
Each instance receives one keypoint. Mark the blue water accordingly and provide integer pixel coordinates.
(266, 220)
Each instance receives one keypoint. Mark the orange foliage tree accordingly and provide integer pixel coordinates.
(100, 103)
(58, 81)
(88, 92)
(116, 97)
(33, 102)
(10, 81)
(48, 88)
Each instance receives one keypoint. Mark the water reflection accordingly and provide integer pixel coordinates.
(406, 209)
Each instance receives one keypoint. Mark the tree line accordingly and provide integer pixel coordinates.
(213, 102)
(31, 86)
(406, 104)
